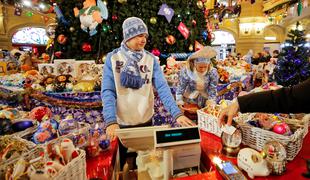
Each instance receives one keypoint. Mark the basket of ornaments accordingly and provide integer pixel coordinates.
(208, 117)
(260, 128)
(58, 159)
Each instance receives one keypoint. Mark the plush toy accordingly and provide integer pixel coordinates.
(68, 150)
(91, 15)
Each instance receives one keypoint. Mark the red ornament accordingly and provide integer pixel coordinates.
(61, 39)
(114, 17)
(170, 39)
(156, 52)
(279, 128)
(39, 112)
(58, 54)
(194, 22)
(86, 47)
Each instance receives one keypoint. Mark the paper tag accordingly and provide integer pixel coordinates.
(228, 129)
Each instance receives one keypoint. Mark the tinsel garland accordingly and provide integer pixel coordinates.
(65, 103)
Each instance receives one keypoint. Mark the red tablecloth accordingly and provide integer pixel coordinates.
(211, 146)
(102, 166)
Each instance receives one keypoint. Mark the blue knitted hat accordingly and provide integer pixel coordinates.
(132, 27)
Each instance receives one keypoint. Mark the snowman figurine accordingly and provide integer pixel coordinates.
(91, 15)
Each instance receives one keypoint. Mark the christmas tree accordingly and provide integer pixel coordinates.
(293, 63)
(164, 36)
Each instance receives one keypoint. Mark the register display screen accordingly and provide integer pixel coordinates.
(175, 135)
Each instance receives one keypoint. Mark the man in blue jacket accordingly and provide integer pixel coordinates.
(130, 72)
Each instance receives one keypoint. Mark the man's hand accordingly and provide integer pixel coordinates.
(229, 112)
(110, 131)
(184, 121)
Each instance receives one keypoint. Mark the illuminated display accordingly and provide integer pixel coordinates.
(175, 135)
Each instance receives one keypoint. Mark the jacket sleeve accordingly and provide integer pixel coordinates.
(285, 100)
(212, 87)
(182, 85)
(164, 91)
(108, 93)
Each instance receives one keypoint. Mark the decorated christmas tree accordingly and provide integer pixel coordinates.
(293, 64)
(173, 27)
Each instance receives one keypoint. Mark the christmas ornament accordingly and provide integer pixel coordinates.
(206, 12)
(29, 14)
(252, 162)
(44, 133)
(105, 28)
(281, 128)
(62, 39)
(39, 112)
(198, 46)
(45, 8)
(153, 20)
(114, 17)
(190, 48)
(194, 23)
(204, 35)
(72, 29)
(200, 4)
(22, 125)
(58, 54)
(170, 39)
(122, 1)
(104, 143)
(156, 52)
(184, 30)
(166, 11)
(17, 11)
(91, 18)
(67, 125)
(86, 47)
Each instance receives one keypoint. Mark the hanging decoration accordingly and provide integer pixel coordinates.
(91, 15)
(29, 14)
(198, 46)
(86, 47)
(170, 39)
(299, 8)
(17, 11)
(190, 48)
(153, 20)
(62, 39)
(45, 18)
(156, 52)
(166, 11)
(60, 16)
(184, 30)
(199, 4)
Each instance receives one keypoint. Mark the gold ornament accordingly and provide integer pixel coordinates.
(191, 47)
(122, 1)
(153, 20)
(200, 4)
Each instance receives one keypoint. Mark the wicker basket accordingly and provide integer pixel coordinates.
(208, 123)
(75, 169)
(257, 137)
(4, 164)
